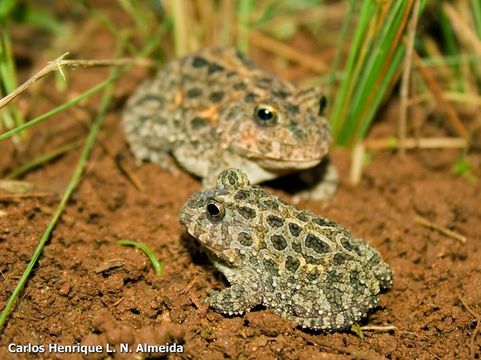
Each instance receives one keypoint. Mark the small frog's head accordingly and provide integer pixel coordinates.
(281, 130)
(220, 219)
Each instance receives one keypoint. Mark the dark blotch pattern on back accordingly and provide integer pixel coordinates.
(197, 202)
(317, 244)
(339, 259)
(242, 195)
(216, 96)
(149, 98)
(292, 264)
(245, 239)
(294, 229)
(247, 212)
(278, 242)
(275, 221)
(213, 68)
(239, 86)
(269, 204)
(232, 178)
(312, 260)
(350, 245)
(250, 97)
(323, 222)
(293, 109)
(198, 62)
(281, 93)
(193, 93)
(198, 122)
(271, 266)
(296, 246)
(312, 276)
(302, 215)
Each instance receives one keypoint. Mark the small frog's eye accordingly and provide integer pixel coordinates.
(215, 211)
(322, 104)
(265, 115)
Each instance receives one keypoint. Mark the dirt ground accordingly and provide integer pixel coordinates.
(87, 289)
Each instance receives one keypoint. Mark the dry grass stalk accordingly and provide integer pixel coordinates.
(58, 63)
(267, 43)
(457, 97)
(441, 229)
(123, 167)
(462, 29)
(437, 91)
(356, 164)
(378, 328)
(16, 197)
(472, 350)
(420, 143)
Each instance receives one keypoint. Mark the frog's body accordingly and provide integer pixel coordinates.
(215, 109)
(306, 267)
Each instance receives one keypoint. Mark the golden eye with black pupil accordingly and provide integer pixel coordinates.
(215, 211)
(265, 115)
(322, 104)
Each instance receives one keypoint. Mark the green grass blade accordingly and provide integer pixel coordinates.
(452, 49)
(378, 55)
(476, 9)
(156, 264)
(140, 17)
(340, 47)
(373, 61)
(453, 60)
(6, 7)
(105, 22)
(243, 20)
(8, 81)
(339, 109)
(379, 95)
(41, 160)
(60, 108)
(89, 143)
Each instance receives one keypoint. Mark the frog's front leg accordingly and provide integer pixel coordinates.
(236, 299)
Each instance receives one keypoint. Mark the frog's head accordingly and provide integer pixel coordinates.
(220, 220)
(280, 130)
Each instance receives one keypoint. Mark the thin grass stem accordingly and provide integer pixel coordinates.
(61, 107)
(156, 264)
(340, 47)
(41, 160)
(89, 143)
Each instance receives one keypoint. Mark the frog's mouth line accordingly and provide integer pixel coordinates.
(275, 163)
(285, 164)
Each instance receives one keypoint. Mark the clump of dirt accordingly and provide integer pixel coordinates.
(86, 289)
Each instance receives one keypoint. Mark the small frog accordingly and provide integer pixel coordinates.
(307, 268)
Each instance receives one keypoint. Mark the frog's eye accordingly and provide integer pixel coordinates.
(215, 211)
(265, 115)
(322, 104)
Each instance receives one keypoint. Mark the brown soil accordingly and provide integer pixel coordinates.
(88, 289)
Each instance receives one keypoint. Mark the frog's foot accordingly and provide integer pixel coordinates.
(328, 320)
(233, 300)
(162, 158)
(324, 189)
